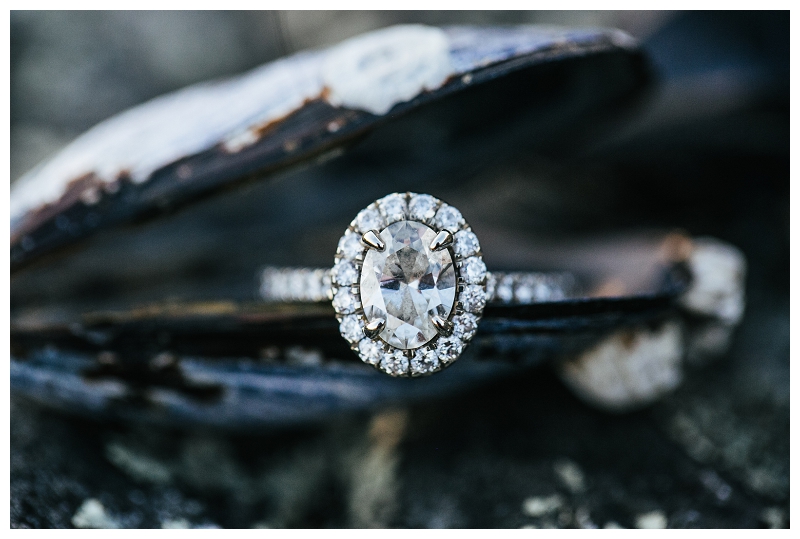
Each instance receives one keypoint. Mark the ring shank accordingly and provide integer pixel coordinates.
(279, 284)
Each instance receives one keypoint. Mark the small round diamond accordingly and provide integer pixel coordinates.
(277, 285)
(473, 270)
(449, 349)
(369, 219)
(449, 218)
(296, 284)
(555, 292)
(352, 328)
(313, 286)
(345, 273)
(491, 286)
(543, 292)
(505, 289)
(525, 290)
(466, 243)
(395, 363)
(350, 245)
(473, 298)
(370, 351)
(425, 361)
(326, 284)
(345, 302)
(464, 326)
(393, 207)
(422, 207)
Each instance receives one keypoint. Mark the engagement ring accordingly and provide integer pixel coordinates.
(409, 284)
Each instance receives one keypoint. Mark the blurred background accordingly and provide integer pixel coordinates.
(706, 150)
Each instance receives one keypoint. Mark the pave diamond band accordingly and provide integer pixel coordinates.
(409, 284)
(298, 284)
(295, 284)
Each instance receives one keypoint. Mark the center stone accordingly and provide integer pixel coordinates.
(407, 283)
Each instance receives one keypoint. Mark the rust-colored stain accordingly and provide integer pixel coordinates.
(627, 339)
(169, 310)
(262, 131)
(676, 247)
(184, 172)
(326, 93)
(86, 188)
(610, 288)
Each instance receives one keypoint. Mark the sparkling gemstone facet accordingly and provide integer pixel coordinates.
(350, 245)
(344, 301)
(449, 218)
(422, 207)
(369, 219)
(466, 243)
(395, 363)
(352, 328)
(474, 270)
(370, 351)
(465, 326)
(407, 283)
(448, 349)
(424, 361)
(393, 207)
(345, 272)
(474, 298)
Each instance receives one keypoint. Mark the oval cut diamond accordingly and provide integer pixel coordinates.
(406, 284)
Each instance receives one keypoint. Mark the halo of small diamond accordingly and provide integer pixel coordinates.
(464, 326)
(473, 270)
(422, 207)
(370, 351)
(350, 245)
(345, 272)
(394, 363)
(344, 301)
(448, 349)
(393, 207)
(352, 328)
(470, 299)
(425, 361)
(369, 219)
(473, 298)
(466, 243)
(448, 218)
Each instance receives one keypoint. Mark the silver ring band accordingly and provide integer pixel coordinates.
(502, 288)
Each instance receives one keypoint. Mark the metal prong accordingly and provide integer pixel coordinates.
(442, 240)
(374, 327)
(372, 240)
(444, 327)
